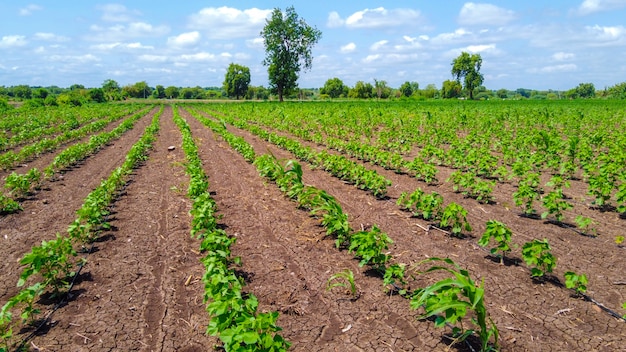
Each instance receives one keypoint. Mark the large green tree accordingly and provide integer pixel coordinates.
(467, 67)
(236, 81)
(288, 43)
(451, 89)
(335, 88)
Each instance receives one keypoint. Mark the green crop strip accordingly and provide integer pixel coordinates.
(233, 313)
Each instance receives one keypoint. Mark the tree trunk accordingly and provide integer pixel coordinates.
(280, 93)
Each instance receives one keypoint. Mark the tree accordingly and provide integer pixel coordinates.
(382, 90)
(451, 89)
(171, 92)
(111, 90)
(430, 91)
(585, 90)
(97, 95)
(408, 88)
(361, 90)
(22, 91)
(335, 88)
(236, 81)
(467, 66)
(159, 92)
(288, 43)
(40, 93)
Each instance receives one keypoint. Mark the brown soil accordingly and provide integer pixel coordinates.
(141, 288)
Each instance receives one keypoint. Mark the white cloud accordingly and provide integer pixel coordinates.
(197, 57)
(379, 18)
(554, 68)
(11, 41)
(334, 20)
(50, 37)
(118, 45)
(28, 10)
(484, 14)
(256, 43)
(81, 59)
(588, 7)
(371, 58)
(446, 38)
(153, 58)
(348, 48)
(378, 45)
(561, 56)
(229, 23)
(184, 39)
(480, 48)
(117, 13)
(607, 33)
(123, 32)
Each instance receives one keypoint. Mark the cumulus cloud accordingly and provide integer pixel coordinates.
(554, 68)
(256, 43)
(348, 48)
(197, 57)
(152, 58)
(484, 14)
(12, 41)
(123, 32)
(334, 20)
(229, 23)
(607, 33)
(118, 45)
(50, 37)
(376, 18)
(77, 59)
(588, 7)
(184, 39)
(117, 13)
(561, 56)
(378, 45)
(28, 10)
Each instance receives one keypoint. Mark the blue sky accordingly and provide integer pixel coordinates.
(531, 44)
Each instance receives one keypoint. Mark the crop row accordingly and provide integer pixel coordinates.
(21, 126)
(52, 264)
(233, 313)
(19, 185)
(337, 165)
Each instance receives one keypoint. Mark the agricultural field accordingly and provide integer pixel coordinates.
(314, 226)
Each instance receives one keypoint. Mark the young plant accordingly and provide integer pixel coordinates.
(369, 246)
(455, 217)
(527, 192)
(449, 301)
(52, 260)
(8, 205)
(578, 283)
(585, 225)
(555, 204)
(619, 240)
(395, 276)
(500, 234)
(537, 255)
(431, 206)
(343, 279)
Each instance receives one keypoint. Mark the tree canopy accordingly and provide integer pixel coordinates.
(467, 67)
(236, 81)
(335, 88)
(288, 43)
